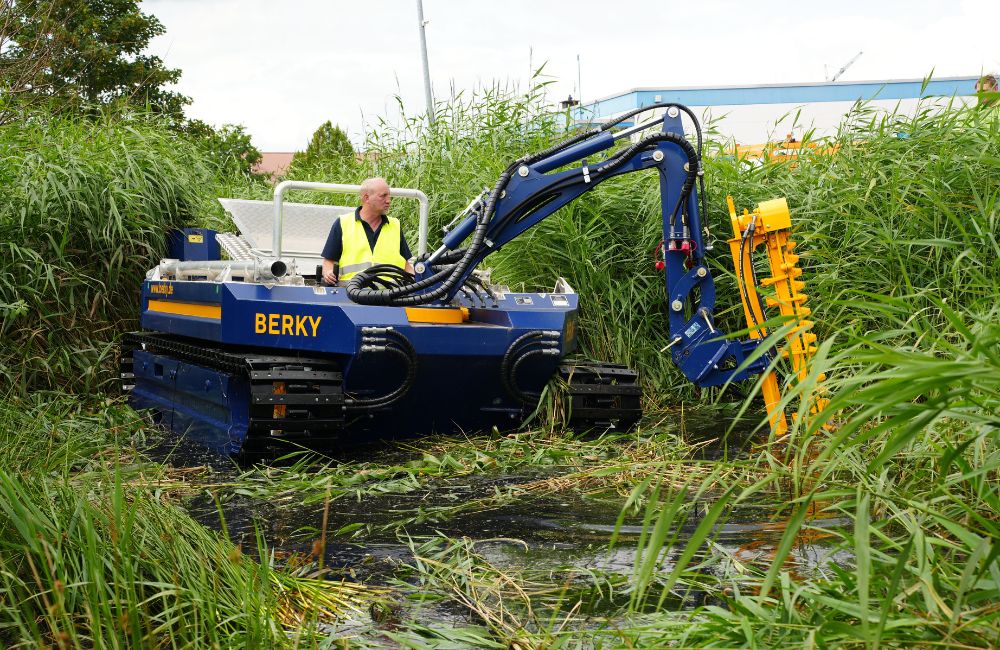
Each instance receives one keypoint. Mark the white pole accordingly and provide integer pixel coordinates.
(579, 89)
(423, 55)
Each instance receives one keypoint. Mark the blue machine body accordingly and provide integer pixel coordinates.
(457, 384)
(192, 244)
(458, 363)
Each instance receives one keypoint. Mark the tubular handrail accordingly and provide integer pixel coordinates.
(339, 188)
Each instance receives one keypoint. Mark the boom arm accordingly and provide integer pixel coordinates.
(531, 189)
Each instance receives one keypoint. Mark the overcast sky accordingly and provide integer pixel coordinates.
(283, 68)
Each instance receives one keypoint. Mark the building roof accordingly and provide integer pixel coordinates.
(274, 163)
(792, 93)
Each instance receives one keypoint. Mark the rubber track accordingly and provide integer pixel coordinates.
(290, 397)
(600, 395)
(605, 395)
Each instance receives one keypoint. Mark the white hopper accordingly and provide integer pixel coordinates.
(304, 230)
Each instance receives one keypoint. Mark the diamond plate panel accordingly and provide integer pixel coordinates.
(235, 246)
(305, 227)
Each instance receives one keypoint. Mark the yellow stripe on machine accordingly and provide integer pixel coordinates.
(185, 309)
(446, 315)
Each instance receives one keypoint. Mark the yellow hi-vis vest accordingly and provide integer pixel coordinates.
(358, 255)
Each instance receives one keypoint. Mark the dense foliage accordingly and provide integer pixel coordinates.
(87, 205)
(84, 53)
(229, 146)
(328, 143)
(907, 207)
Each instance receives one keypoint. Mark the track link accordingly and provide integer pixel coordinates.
(291, 398)
(601, 395)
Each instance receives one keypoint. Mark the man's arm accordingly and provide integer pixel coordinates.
(331, 252)
(404, 250)
(329, 271)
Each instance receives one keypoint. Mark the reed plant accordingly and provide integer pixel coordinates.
(94, 553)
(87, 205)
(899, 235)
(907, 206)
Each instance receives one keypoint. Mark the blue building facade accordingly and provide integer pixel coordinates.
(798, 93)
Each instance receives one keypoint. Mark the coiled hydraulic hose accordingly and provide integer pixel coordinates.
(387, 340)
(363, 290)
(406, 295)
(526, 346)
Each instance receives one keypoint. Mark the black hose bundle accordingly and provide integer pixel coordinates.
(533, 344)
(408, 295)
(384, 276)
(694, 163)
(364, 289)
(697, 129)
(386, 340)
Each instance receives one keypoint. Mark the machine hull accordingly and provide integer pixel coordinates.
(237, 365)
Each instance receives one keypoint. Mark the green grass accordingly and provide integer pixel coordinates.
(95, 553)
(87, 206)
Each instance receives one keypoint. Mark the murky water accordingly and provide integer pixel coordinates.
(564, 536)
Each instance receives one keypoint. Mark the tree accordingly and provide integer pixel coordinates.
(84, 51)
(328, 142)
(230, 146)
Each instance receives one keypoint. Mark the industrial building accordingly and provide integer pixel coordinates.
(771, 112)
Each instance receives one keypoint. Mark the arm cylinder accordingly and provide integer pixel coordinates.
(576, 152)
(458, 235)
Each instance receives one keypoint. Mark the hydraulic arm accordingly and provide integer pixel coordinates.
(535, 186)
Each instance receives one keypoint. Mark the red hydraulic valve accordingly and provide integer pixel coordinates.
(658, 261)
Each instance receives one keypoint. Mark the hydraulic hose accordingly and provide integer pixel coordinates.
(740, 277)
(621, 158)
(449, 257)
(360, 288)
(407, 295)
(532, 344)
(697, 128)
(387, 340)
(694, 163)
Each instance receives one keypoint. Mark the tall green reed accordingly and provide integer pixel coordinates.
(94, 554)
(908, 205)
(87, 205)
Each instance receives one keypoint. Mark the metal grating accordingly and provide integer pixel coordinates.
(306, 227)
(236, 246)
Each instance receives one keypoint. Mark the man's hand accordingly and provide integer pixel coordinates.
(329, 272)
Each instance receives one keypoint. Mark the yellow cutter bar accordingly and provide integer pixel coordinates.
(772, 224)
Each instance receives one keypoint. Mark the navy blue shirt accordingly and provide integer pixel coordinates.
(335, 242)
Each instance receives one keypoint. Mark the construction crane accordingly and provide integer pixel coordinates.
(844, 68)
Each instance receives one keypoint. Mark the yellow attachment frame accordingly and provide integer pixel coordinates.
(772, 223)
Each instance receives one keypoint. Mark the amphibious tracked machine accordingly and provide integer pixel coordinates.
(247, 351)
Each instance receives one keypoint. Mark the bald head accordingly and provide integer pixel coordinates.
(370, 185)
(374, 194)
